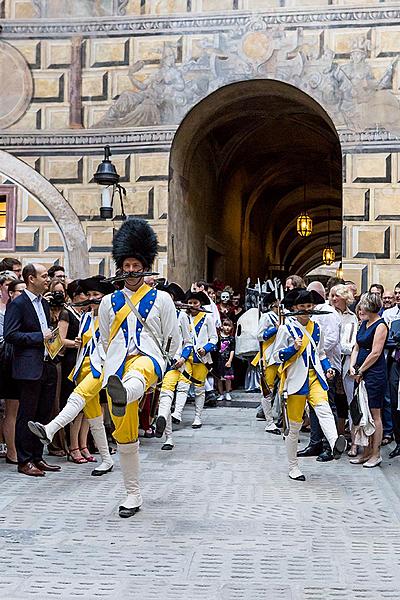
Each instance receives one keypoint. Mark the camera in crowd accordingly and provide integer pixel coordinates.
(55, 298)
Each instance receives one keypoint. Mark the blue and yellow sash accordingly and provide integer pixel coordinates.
(143, 299)
(282, 371)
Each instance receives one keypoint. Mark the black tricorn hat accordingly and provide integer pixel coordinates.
(308, 297)
(176, 291)
(200, 296)
(268, 299)
(290, 297)
(135, 239)
(97, 284)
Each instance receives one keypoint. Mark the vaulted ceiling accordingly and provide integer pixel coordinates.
(284, 150)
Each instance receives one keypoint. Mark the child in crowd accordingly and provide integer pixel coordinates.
(225, 354)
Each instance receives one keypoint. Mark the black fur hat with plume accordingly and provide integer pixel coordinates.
(135, 239)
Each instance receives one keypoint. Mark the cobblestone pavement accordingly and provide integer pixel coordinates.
(220, 520)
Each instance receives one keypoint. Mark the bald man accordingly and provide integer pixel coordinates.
(330, 324)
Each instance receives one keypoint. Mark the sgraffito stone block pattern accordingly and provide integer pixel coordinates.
(220, 521)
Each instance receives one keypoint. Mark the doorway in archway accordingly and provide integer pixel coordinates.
(244, 164)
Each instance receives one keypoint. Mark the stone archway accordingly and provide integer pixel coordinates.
(238, 165)
(76, 255)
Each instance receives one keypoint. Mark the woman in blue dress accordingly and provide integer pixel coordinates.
(368, 363)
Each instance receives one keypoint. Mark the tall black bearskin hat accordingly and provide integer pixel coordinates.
(97, 284)
(135, 239)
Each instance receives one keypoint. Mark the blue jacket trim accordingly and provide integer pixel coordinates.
(186, 352)
(287, 353)
(269, 333)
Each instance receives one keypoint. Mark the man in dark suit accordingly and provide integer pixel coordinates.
(26, 327)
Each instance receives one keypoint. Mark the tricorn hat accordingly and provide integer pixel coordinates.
(176, 291)
(200, 296)
(97, 284)
(308, 297)
(290, 297)
(135, 239)
(268, 299)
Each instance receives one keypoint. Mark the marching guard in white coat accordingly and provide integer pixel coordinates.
(204, 339)
(299, 350)
(172, 376)
(139, 332)
(266, 334)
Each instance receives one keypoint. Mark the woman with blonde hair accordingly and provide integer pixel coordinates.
(341, 297)
(368, 363)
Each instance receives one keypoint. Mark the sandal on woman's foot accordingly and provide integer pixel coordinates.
(388, 439)
(353, 451)
(86, 454)
(360, 460)
(78, 460)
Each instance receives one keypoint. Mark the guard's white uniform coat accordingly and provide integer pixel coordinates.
(267, 329)
(185, 338)
(204, 335)
(297, 373)
(160, 314)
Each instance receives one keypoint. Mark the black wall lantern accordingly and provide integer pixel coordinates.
(107, 176)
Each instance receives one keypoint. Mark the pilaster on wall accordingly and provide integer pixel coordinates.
(371, 219)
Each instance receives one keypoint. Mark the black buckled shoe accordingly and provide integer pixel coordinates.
(311, 450)
(395, 452)
(117, 393)
(339, 447)
(125, 513)
(161, 424)
(325, 456)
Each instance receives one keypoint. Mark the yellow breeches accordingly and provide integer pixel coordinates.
(127, 427)
(170, 380)
(89, 388)
(270, 375)
(197, 370)
(296, 403)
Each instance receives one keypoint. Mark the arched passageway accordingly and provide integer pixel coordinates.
(76, 255)
(238, 166)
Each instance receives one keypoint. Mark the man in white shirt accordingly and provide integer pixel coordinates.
(27, 327)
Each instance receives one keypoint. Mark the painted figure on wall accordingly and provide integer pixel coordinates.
(346, 89)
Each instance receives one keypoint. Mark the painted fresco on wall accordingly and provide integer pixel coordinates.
(16, 85)
(78, 8)
(350, 92)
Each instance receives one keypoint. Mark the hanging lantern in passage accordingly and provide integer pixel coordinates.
(304, 224)
(328, 255)
(339, 272)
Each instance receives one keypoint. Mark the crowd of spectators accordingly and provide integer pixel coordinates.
(362, 342)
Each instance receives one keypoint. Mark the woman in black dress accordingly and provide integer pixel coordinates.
(368, 363)
(69, 329)
(9, 388)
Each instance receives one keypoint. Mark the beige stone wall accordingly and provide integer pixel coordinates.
(372, 218)
(37, 234)
(310, 44)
